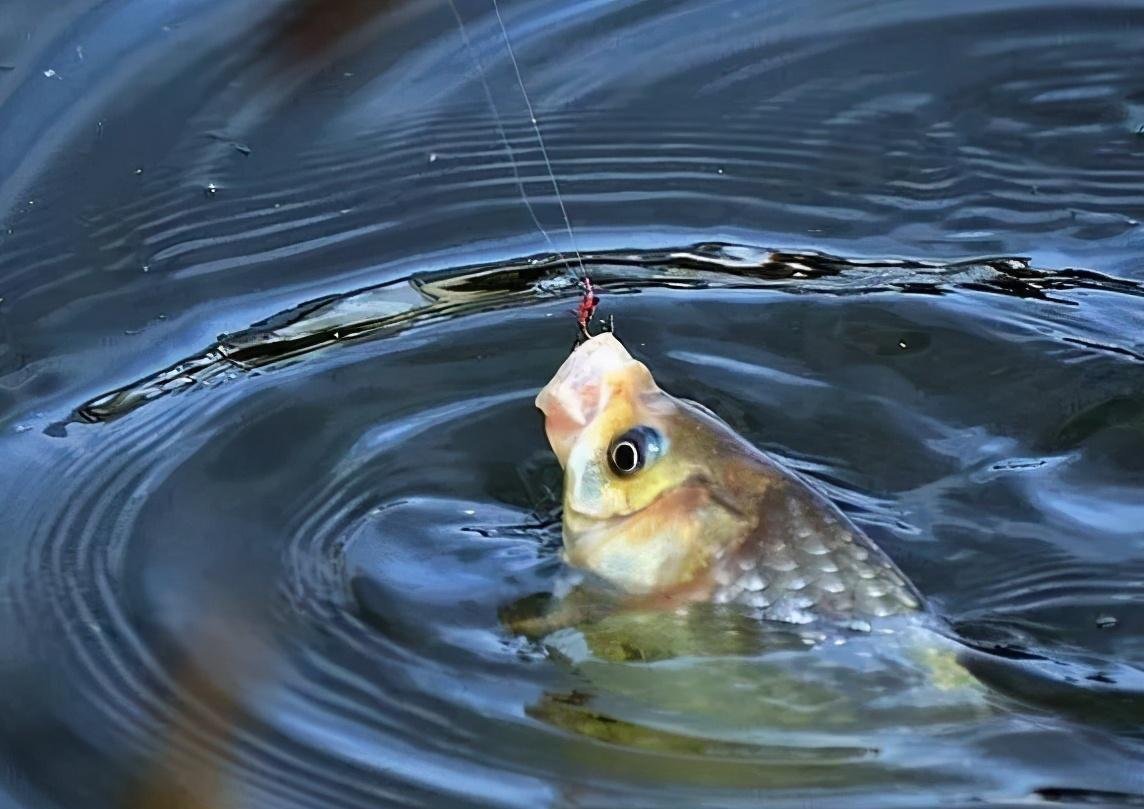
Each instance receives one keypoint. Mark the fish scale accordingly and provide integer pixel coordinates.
(805, 560)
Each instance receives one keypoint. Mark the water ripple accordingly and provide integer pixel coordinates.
(897, 246)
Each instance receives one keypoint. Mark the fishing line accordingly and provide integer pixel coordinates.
(471, 51)
(539, 138)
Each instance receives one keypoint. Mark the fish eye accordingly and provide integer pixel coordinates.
(633, 450)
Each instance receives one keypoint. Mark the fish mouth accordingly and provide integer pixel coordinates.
(583, 386)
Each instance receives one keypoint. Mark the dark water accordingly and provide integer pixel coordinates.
(896, 244)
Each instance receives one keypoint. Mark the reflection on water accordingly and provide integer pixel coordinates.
(334, 318)
(272, 316)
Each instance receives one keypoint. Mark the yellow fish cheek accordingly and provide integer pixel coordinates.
(664, 545)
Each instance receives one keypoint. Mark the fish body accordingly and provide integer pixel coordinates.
(664, 500)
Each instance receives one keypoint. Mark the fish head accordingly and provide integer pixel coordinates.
(643, 500)
(610, 427)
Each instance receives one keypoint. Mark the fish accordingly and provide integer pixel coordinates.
(663, 500)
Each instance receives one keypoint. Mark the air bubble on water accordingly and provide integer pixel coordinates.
(719, 171)
(138, 171)
(23, 428)
(1106, 621)
(146, 268)
(51, 74)
(469, 512)
(432, 157)
(211, 189)
(902, 344)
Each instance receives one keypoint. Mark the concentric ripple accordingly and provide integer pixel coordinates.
(286, 589)
(273, 309)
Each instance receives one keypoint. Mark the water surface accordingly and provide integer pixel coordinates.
(273, 313)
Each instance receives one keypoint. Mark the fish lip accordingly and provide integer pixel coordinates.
(582, 387)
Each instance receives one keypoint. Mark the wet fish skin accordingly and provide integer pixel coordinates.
(710, 517)
(805, 559)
